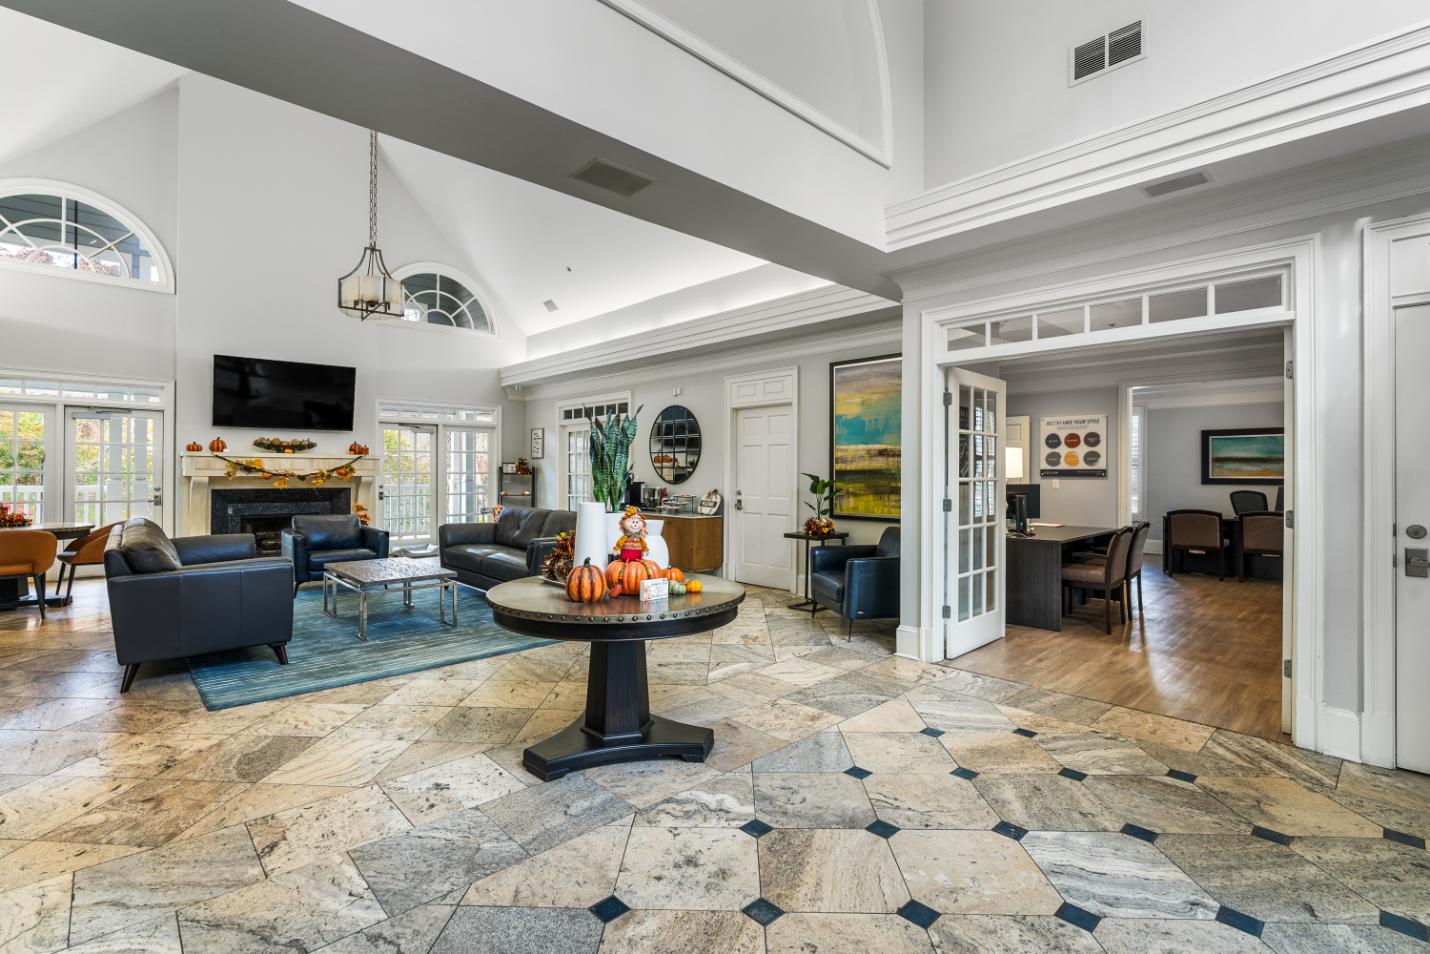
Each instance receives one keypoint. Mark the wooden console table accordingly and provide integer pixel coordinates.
(696, 541)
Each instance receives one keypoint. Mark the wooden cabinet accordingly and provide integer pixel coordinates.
(696, 542)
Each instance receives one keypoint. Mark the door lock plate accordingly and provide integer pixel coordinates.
(1417, 561)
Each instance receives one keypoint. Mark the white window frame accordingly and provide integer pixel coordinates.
(165, 282)
(483, 295)
(565, 424)
(443, 418)
(1137, 462)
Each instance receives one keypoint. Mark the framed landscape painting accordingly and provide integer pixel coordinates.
(866, 398)
(1244, 455)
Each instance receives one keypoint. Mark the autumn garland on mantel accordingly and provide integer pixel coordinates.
(281, 478)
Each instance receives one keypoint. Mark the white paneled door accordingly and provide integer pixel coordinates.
(973, 513)
(764, 507)
(1412, 522)
(115, 465)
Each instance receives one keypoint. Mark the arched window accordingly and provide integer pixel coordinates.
(52, 227)
(437, 298)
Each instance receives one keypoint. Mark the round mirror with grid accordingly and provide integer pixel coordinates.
(675, 444)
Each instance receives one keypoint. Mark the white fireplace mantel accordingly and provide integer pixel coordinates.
(201, 474)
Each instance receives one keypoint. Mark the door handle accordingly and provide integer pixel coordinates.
(158, 500)
(1417, 561)
(739, 504)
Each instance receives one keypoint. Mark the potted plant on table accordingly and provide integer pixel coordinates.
(821, 524)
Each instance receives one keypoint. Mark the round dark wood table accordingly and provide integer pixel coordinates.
(617, 725)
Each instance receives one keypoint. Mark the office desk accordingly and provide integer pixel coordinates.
(1035, 573)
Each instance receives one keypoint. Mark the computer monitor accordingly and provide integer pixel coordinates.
(1030, 494)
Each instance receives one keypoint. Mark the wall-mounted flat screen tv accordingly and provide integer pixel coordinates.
(282, 395)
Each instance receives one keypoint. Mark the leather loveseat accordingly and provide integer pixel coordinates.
(315, 540)
(169, 599)
(485, 554)
(858, 582)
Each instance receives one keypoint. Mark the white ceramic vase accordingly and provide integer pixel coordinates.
(592, 535)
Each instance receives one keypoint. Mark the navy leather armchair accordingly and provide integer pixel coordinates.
(169, 599)
(858, 582)
(316, 540)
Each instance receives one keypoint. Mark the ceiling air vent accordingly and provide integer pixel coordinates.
(1168, 186)
(549, 305)
(1102, 54)
(611, 177)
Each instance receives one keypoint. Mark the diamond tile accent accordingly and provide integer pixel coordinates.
(963, 773)
(1244, 923)
(1414, 841)
(1270, 835)
(933, 733)
(882, 828)
(756, 828)
(856, 772)
(1073, 774)
(762, 912)
(1025, 733)
(919, 914)
(1406, 926)
(1145, 834)
(1078, 917)
(1009, 830)
(1181, 776)
(609, 908)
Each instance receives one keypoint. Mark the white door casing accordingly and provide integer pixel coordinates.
(764, 508)
(973, 510)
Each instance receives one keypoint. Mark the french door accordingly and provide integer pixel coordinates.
(26, 432)
(434, 474)
(115, 465)
(974, 540)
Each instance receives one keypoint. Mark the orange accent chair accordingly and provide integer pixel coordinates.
(88, 550)
(28, 554)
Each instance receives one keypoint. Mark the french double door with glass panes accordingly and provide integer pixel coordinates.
(26, 433)
(974, 539)
(433, 474)
(115, 465)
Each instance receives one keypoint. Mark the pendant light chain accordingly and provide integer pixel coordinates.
(372, 191)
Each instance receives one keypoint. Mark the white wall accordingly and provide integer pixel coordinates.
(1074, 501)
(997, 73)
(1173, 457)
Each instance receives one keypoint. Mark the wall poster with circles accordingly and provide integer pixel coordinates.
(1073, 446)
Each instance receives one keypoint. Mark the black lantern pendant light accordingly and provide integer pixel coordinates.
(369, 290)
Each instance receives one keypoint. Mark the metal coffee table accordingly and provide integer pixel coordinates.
(364, 576)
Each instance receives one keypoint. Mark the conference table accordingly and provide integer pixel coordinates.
(1034, 568)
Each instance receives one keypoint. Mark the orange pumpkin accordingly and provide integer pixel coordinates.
(613, 572)
(654, 570)
(218, 445)
(192, 446)
(630, 576)
(585, 584)
(693, 586)
(615, 591)
(675, 574)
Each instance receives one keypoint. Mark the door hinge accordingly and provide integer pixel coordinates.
(948, 399)
(1290, 370)
(948, 505)
(1290, 520)
(1286, 668)
(948, 612)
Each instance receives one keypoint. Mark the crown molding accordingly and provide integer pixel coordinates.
(758, 83)
(791, 311)
(753, 357)
(1374, 79)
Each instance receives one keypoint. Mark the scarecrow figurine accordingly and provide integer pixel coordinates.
(631, 545)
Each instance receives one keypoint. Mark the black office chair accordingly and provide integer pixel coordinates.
(1281, 499)
(1248, 501)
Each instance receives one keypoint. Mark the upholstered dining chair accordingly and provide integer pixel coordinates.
(88, 550)
(28, 555)
(1105, 578)
(1195, 531)
(1261, 534)
(1135, 553)
(1246, 501)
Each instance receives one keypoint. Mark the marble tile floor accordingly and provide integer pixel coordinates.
(855, 802)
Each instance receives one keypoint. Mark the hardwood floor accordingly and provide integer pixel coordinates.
(1207, 652)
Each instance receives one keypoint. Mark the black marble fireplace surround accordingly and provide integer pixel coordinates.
(264, 512)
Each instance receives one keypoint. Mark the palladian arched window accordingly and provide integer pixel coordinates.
(60, 229)
(436, 297)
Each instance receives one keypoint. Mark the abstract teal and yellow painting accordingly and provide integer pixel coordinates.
(1244, 456)
(866, 398)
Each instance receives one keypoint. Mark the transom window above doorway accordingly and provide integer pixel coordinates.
(1242, 296)
(435, 297)
(50, 227)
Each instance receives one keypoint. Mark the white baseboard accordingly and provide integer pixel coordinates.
(1377, 735)
(1340, 733)
(1152, 546)
(910, 642)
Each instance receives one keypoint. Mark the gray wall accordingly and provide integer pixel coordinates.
(1075, 501)
(1174, 456)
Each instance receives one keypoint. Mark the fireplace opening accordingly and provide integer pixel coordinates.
(265, 513)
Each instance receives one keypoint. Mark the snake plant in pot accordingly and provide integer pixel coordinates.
(610, 448)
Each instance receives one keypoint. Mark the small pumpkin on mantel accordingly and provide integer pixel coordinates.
(586, 584)
(193, 447)
(218, 445)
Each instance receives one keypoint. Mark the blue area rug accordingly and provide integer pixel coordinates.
(326, 652)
